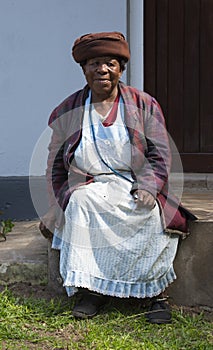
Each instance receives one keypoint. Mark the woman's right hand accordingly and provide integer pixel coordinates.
(47, 223)
(144, 199)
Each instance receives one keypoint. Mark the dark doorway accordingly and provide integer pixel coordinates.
(179, 74)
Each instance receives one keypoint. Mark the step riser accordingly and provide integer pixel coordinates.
(194, 268)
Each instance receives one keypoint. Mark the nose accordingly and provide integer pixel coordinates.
(102, 68)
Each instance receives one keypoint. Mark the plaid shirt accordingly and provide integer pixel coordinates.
(150, 151)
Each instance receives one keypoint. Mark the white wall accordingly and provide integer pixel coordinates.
(36, 70)
(135, 30)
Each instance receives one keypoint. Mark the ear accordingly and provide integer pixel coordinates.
(83, 66)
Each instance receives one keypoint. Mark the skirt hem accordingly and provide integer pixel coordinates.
(119, 289)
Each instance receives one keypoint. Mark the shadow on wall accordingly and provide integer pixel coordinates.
(15, 197)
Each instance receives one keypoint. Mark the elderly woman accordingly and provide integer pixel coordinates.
(108, 168)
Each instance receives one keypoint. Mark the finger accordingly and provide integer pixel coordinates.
(147, 202)
(139, 203)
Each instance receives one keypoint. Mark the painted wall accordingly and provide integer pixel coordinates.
(36, 70)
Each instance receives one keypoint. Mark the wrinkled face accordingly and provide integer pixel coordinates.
(102, 75)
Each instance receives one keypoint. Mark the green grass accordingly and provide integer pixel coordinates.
(30, 323)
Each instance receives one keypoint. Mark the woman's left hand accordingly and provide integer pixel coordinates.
(144, 198)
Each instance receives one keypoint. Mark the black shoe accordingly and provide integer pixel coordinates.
(159, 312)
(89, 305)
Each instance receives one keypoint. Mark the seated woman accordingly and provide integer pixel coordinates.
(108, 167)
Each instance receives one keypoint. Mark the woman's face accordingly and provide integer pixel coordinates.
(102, 75)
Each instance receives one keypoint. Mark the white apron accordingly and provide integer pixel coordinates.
(108, 245)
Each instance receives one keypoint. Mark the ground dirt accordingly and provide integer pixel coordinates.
(36, 291)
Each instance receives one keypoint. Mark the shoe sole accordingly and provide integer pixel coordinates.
(158, 317)
(159, 321)
(79, 314)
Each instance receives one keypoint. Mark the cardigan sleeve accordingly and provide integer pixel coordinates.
(157, 156)
(56, 173)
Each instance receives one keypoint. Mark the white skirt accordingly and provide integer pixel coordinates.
(109, 246)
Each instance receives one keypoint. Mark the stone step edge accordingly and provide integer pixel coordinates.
(34, 273)
(198, 181)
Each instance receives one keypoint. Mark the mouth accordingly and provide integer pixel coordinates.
(102, 80)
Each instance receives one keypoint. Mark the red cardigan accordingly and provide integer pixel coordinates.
(150, 153)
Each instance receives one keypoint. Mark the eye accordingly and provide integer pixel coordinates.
(110, 64)
(93, 64)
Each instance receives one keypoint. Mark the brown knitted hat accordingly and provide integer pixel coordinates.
(100, 44)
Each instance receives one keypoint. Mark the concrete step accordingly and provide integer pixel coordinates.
(195, 181)
(200, 203)
(194, 268)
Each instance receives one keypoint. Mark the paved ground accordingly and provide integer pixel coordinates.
(24, 243)
(23, 256)
(200, 203)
